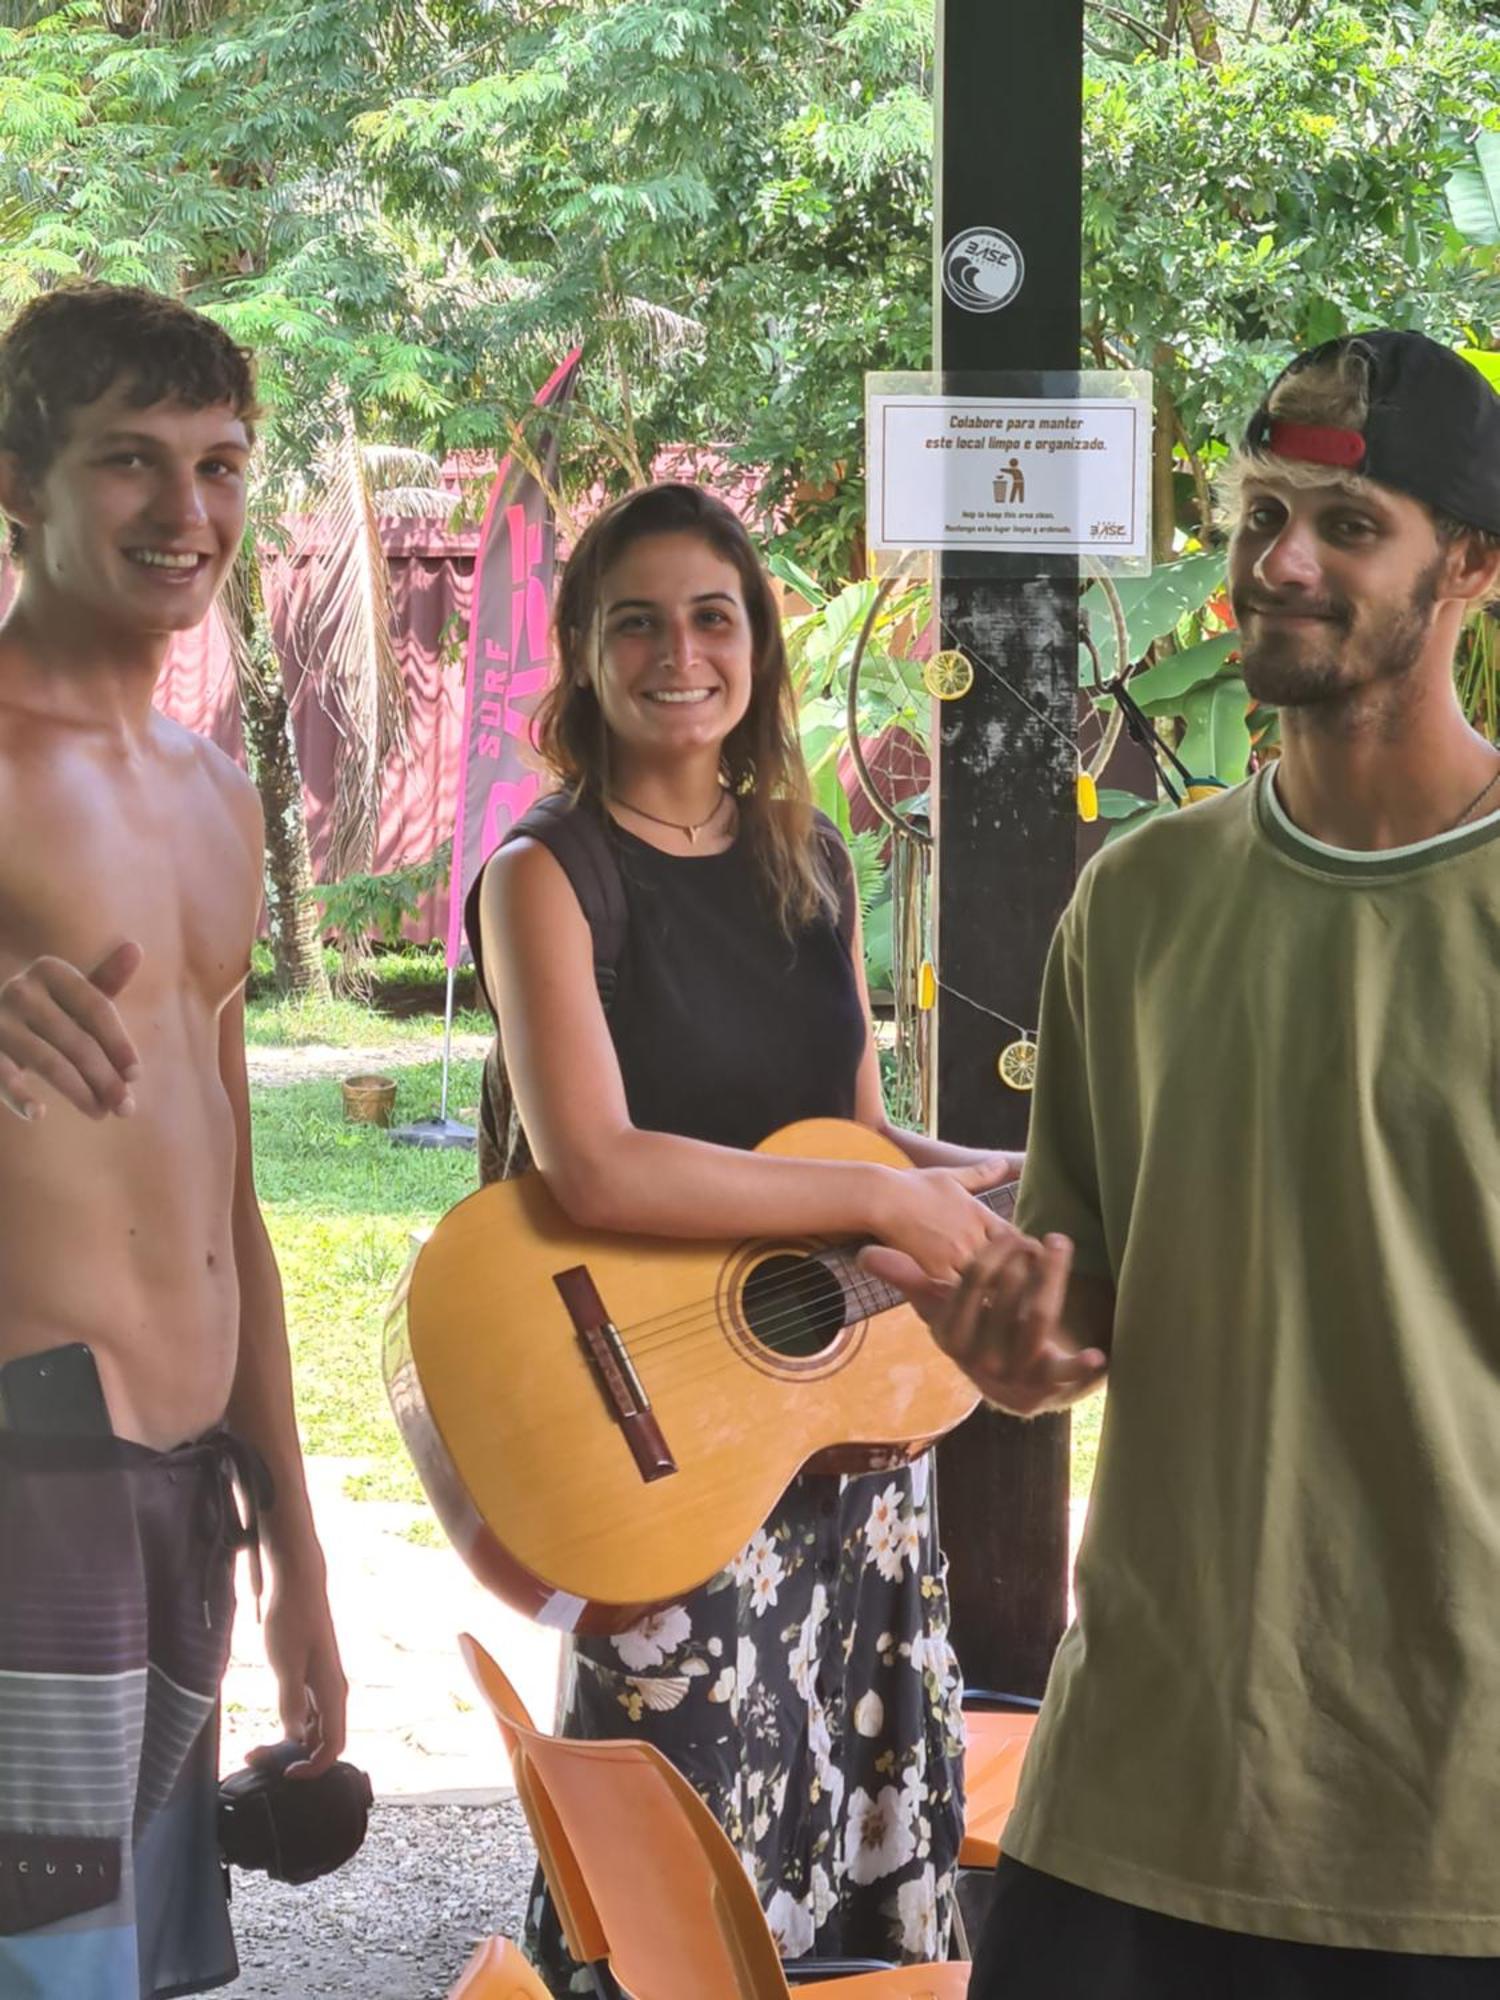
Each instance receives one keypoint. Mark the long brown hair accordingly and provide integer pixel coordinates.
(761, 760)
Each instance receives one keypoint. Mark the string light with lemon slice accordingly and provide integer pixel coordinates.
(948, 675)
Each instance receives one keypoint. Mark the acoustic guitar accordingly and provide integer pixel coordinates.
(602, 1421)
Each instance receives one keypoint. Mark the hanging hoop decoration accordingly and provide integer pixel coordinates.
(898, 823)
(1094, 768)
(948, 676)
(1017, 1065)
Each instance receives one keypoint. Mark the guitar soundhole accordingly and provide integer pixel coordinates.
(793, 1306)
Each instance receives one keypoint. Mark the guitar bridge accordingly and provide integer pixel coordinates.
(608, 1357)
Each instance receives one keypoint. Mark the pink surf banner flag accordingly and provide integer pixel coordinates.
(509, 655)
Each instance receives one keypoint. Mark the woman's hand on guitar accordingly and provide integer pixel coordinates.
(931, 1215)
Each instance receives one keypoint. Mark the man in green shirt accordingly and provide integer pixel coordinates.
(1263, 1192)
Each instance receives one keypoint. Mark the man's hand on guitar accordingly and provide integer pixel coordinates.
(1003, 1323)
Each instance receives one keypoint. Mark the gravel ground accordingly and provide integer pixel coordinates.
(399, 1921)
(307, 1061)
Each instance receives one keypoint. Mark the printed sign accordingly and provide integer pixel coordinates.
(1051, 476)
(983, 269)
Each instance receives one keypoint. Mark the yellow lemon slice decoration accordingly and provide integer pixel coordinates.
(926, 986)
(1088, 798)
(1017, 1065)
(948, 676)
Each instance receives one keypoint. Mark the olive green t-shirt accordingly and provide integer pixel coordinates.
(1268, 1108)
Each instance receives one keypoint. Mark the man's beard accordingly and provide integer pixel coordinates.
(1286, 669)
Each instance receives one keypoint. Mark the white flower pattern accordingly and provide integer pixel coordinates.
(648, 1642)
(791, 1924)
(917, 1917)
(818, 1718)
(879, 1834)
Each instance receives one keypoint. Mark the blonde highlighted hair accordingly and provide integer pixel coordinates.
(762, 760)
(1334, 392)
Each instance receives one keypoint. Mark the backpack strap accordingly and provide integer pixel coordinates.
(574, 833)
(838, 869)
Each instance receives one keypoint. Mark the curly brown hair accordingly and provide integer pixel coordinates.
(66, 348)
(762, 755)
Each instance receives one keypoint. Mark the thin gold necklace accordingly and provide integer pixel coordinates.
(1478, 800)
(678, 826)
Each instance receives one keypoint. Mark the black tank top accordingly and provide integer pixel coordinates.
(725, 1028)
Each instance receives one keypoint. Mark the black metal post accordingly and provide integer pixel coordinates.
(1009, 164)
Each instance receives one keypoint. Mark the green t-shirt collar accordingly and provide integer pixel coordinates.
(1360, 864)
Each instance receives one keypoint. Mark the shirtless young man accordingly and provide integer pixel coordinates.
(130, 883)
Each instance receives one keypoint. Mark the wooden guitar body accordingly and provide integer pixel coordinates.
(603, 1421)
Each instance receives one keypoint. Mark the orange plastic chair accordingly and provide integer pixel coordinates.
(675, 1908)
(498, 1971)
(582, 1931)
(995, 1744)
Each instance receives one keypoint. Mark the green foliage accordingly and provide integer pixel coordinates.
(821, 645)
(1474, 192)
(1294, 191)
(729, 203)
(377, 907)
(1154, 604)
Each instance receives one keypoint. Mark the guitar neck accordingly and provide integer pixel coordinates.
(865, 1296)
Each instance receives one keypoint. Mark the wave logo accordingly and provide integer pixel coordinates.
(983, 269)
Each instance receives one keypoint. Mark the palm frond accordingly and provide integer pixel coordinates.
(347, 637)
(666, 331)
(416, 503)
(389, 466)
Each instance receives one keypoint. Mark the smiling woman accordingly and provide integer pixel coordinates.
(808, 1691)
(674, 688)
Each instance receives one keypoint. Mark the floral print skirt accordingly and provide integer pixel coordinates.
(809, 1694)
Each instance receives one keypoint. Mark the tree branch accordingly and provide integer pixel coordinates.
(1204, 31)
(1099, 48)
(1142, 30)
(1201, 486)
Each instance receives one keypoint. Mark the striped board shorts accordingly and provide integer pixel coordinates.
(116, 1604)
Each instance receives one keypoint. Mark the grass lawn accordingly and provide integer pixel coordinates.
(345, 1024)
(341, 1201)
(1087, 1417)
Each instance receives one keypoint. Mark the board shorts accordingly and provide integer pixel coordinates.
(116, 1608)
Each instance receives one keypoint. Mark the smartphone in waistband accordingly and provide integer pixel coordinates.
(56, 1394)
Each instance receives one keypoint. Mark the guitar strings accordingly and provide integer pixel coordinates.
(775, 1332)
(719, 1357)
(776, 1328)
(700, 1314)
(678, 1318)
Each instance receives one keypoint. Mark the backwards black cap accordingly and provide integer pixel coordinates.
(1433, 429)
